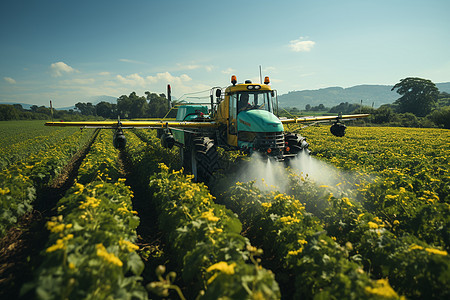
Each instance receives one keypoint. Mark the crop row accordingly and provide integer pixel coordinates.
(19, 182)
(13, 153)
(412, 184)
(203, 237)
(402, 240)
(296, 244)
(91, 253)
(12, 132)
(408, 262)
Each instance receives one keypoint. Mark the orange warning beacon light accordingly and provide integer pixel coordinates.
(233, 79)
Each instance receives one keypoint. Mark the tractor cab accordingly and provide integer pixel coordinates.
(249, 112)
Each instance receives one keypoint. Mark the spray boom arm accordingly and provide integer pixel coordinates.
(323, 118)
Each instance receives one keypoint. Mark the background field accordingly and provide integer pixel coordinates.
(367, 216)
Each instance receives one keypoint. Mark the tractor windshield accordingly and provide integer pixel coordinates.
(254, 100)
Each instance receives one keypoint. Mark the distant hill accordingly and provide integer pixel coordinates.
(332, 96)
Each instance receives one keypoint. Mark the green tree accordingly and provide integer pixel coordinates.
(157, 105)
(443, 99)
(106, 110)
(384, 114)
(86, 109)
(8, 112)
(418, 96)
(441, 117)
(132, 106)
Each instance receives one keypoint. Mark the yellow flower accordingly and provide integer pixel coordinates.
(109, 257)
(378, 220)
(128, 245)
(347, 201)
(80, 188)
(372, 225)
(295, 252)
(209, 215)
(382, 289)
(266, 205)
(436, 251)
(223, 267)
(59, 245)
(90, 202)
(415, 247)
(163, 167)
(216, 230)
(288, 220)
(4, 191)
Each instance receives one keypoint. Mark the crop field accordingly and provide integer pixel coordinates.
(365, 216)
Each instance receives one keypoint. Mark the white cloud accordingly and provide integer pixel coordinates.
(9, 80)
(188, 67)
(59, 68)
(193, 66)
(131, 61)
(137, 80)
(301, 45)
(229, 71)
(76, 81)
(104, 73)
(133, 79)
(167, 77)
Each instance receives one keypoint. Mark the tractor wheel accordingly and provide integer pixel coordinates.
(205, 160)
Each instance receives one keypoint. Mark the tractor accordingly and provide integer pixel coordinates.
(241, 117)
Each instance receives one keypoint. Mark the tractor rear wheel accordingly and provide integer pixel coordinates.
(201, 158)
(206, 157)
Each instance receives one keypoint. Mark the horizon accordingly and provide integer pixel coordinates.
(67, 52)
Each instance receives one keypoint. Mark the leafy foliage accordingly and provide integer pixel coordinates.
(90, 253)
(418, 96)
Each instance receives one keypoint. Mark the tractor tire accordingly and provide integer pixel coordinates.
(206, 159)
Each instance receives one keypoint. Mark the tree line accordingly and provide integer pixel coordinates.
(420, 105)
(127, 107)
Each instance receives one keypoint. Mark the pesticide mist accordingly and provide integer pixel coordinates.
(272, 175)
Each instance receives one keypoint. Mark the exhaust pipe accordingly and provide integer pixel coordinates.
(169, 96)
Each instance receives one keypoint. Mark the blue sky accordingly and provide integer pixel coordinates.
(68, 51)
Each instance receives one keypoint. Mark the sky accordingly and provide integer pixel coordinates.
(70, 51)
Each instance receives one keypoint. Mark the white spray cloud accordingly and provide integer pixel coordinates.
(266, 173)
(269, 174)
